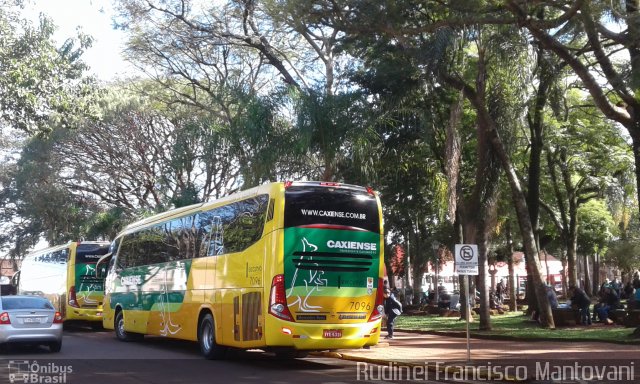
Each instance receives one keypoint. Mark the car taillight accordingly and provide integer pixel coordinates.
(378, 309)
(72, 297)
(4, 318)
(57, 318)
(278, 299)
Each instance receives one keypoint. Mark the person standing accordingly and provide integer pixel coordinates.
(392, 309)
(501, 289)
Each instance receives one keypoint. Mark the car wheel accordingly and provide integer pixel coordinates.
(121, 334)
(55, 346)
(207, 339)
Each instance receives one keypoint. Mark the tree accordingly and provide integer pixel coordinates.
(613, 86)
(223, 57)
(584, 152)
(140, 157)
(596, 230)
(41, 85)
(37, 205)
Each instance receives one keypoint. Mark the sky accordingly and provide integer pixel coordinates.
(93, 17)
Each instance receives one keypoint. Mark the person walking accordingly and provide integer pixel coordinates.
(392, 309)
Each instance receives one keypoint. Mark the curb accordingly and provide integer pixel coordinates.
(462, 334)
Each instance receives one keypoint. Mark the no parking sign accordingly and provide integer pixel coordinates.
(466, 259)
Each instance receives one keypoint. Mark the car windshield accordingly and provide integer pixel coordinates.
(25, 303)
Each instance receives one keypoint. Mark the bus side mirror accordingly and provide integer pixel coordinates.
(101, 265)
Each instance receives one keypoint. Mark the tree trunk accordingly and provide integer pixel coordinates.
(483, 273)
(513, 289)
(388, 254)
(418, 272)
(565, 287)
(596, 273)
(572, 243)
(464, 299)
(519, 201)
(526, 229)
(587, 275)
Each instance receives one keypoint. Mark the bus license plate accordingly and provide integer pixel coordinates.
(332, 333)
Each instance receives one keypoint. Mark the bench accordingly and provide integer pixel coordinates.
(618, 315)
(565, 316)
(632, 319)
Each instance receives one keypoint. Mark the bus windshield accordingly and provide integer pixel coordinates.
(307, 205)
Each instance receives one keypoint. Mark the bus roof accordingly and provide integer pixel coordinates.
(61, 246)
(240, 195)
(160, 217)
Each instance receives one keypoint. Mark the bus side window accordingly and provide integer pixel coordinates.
(233, 227)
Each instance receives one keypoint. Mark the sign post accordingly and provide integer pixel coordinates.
(466, 263)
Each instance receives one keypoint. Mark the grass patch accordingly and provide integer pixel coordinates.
(515, 324)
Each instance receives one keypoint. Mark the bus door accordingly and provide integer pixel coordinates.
(236, 253)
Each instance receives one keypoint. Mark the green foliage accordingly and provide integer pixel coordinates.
(41, 85)
(45, 207)
(334, 133)
(597, 227)
(106, 224)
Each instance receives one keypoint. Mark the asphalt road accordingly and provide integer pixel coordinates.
(97, 357)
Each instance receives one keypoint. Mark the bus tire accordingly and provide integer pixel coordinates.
(121, 334)
(207, 339)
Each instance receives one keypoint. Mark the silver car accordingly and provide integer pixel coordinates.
(30, 320)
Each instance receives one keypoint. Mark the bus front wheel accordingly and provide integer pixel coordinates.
(121, 334)
(207, 339)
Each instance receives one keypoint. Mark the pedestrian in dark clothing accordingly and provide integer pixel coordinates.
(392, 309)
(580, 299)
(501, 289)
(608, 302)
(627, 291)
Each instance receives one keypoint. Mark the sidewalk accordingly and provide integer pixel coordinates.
(437, 352)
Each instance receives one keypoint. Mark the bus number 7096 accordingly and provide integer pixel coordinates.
(359, 305)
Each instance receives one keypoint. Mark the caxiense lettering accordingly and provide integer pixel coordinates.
(351, 245)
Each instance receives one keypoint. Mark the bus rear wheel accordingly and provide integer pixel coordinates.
(121, 334)
(207, 339)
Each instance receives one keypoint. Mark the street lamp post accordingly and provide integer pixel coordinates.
(436, 247)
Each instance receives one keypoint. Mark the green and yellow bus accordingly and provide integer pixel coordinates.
(66, 274)
(284, 267)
